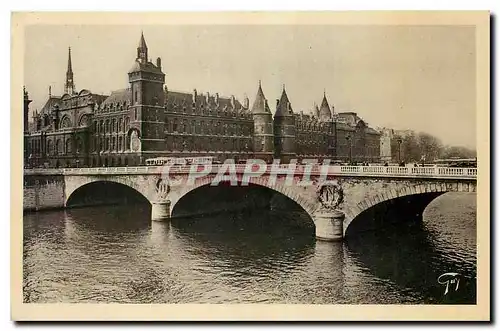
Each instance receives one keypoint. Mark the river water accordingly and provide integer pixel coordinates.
(116, 254)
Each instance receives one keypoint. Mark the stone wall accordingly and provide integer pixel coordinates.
(43, 192)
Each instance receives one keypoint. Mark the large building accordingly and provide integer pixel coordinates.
(148, 120)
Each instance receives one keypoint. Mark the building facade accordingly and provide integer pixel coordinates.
(147, 120)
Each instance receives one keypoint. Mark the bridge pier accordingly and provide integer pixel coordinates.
(160, 211)
(329, 225)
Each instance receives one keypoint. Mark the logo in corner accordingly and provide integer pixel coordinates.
(451, 280)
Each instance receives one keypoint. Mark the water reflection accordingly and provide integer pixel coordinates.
(412, 255)
(115, 254)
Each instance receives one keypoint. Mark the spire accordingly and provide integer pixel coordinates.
(324, 112)
(142, 49)
(70, 67)
(316, 109)
(69, 87)
(260, 104)
(284, 107)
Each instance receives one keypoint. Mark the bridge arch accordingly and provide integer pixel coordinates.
(104, 192)
(140, 185)
(278, 187)
(408, 200)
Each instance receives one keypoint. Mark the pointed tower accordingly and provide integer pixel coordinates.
(69, 86)
(147, 99)
(325, 113)
(27, 101)
(142, 50)
(315, 110)
(329, 128)
(284, 129)
(263, 144)
(26, 150)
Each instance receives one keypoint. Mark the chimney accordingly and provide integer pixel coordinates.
(208, 97)
(158, 63)
(246, 102)
(233, 102)
(216, 98)
(195, 94)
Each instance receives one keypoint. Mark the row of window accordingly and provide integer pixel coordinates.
(58, 147)
(112, 125)
(207, 111)
(180, 143)
(208, 127)
(119, 144)
(314, 127)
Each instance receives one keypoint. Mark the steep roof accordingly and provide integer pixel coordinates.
(260, 104)
(118, 96)
(142, 42)
(284, 107)
(324, 111)
(147, 67)
(350, 117)
(51, 102)
(185, 99)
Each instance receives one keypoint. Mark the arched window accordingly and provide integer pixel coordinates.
(135, 114)
(79, 145)
(114, 125)
(210, 128)
(65, 122)
(120, 124)
(174, 125)
(68, 146)
(95, 126)
(101, 124)
(59, 147)
(202, 127)
(127, 123)
(194, 127)
(49, 147)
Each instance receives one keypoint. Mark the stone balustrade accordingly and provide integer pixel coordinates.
(371, 171)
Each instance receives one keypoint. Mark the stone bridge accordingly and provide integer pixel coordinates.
(338, 199)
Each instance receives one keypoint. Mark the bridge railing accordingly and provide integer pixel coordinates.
(382, 171)
(405, 171)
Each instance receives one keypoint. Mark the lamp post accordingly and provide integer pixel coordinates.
(399, 149)
(348, 138)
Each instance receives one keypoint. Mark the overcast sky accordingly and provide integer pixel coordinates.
(404, 77)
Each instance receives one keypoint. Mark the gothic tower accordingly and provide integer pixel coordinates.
(27, 101)
(263, 144)
(325, 116)
(325, 113)
(147, 115)
(69, 86)
(26, 129)
(284, 129)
